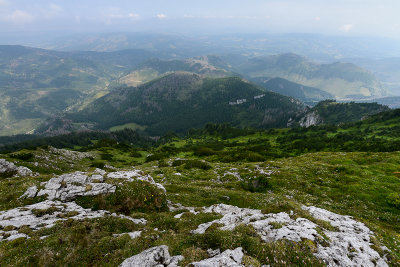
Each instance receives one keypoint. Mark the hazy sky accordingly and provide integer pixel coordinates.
(349, 17)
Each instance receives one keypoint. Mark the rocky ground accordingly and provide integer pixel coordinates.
(345, 242)
(172, 215)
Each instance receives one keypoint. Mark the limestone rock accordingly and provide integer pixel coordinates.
(10, 169)
(348, 246)
(30, 192)
(46, 214)
(310, 119)
(69, 186)
(229, 257)
(152, 257)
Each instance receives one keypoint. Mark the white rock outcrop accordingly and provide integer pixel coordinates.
(349, 246)
(310, 119)
(10, 169)
(153, 257)
(227, 258)
(67, 187)
(46, 214)
(159, 256)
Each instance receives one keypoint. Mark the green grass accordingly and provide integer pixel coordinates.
(360, 184)
(132, 126)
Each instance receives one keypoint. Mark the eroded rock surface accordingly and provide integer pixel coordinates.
(67, 187)
(348, 246)
(46, 214)
(227, 258)
(159, 256)
(152, 257)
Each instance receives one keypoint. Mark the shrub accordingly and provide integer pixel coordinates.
(394, 200)
(106, 156)
(156, 156)
(178, 162)
(204, 151)
(8, 173)
(42, 212)
(134, 196)
(256, 184)
(22, 156)
(190, 164)
(162, 163)
(135, 154)
(98, 164)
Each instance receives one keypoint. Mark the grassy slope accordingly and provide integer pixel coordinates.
(351, 183)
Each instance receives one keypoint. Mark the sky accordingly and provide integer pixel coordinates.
(331, 17)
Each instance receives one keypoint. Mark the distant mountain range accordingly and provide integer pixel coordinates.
(339, 79)
(315, 46)
(181, 100)
(38, 84)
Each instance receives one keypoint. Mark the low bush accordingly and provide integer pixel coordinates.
(133, 196)
(156, 156)
(98, 164)
(26, 156)
(178, 162)
(204, 151)
(190, 164)
(394, 200)
(256, 184)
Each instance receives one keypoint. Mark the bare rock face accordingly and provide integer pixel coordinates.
(46, 214)
(348, 246)
(227, 258)
(310, 119)
(152, 257)
(9, 169)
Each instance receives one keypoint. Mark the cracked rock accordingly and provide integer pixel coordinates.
(348, 246)
(152, 257)
(46, 214)
(227, 258)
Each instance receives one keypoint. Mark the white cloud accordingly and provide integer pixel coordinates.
(317, 18)
(18, 17)
(133, 15)
(161, 16)
(3, 2)
(346, 28)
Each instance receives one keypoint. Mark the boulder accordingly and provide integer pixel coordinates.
(9, 169)
(152, 257)
(231, 258)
